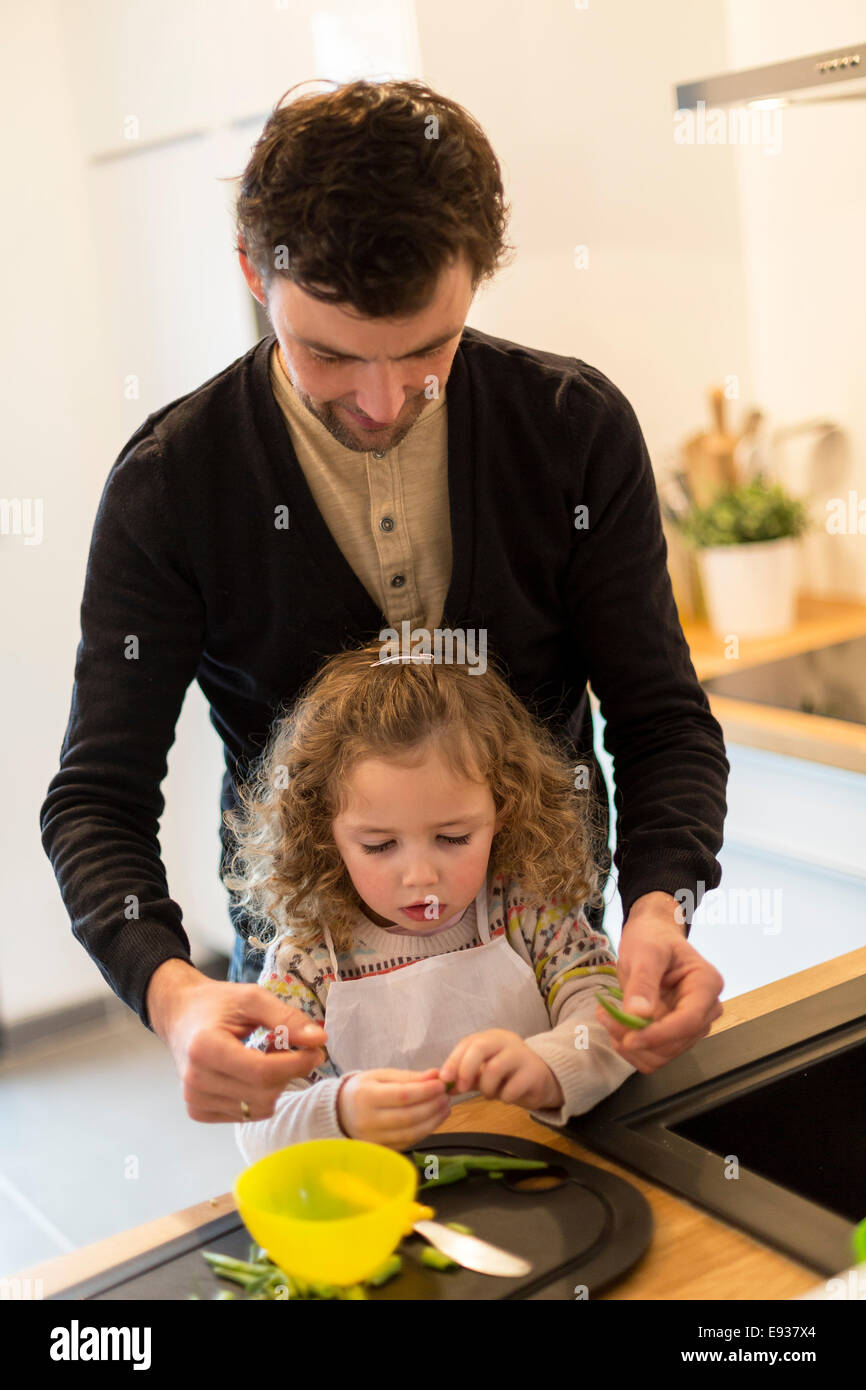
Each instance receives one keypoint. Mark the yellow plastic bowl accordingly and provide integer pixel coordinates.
(330, 1211)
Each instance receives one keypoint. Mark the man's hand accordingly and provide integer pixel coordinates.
(203, 1023)
(663, 977)
(499, 1064)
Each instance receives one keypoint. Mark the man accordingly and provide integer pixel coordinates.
(326, 486)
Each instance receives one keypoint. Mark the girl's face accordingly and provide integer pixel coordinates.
(415, 836)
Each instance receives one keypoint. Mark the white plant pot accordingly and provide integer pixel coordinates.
(750, 589)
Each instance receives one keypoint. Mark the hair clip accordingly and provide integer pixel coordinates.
(404, 656)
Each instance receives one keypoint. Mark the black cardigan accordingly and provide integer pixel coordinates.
(188, 578)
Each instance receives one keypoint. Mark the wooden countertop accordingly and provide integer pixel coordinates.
(821, 622)
(693, 1255)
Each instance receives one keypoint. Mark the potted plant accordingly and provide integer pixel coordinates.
(746, 543)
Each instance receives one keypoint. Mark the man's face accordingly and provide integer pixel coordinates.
(384, 366)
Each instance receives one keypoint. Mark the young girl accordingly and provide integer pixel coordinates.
(416, 857)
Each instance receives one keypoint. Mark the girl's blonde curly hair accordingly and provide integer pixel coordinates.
(286, 869)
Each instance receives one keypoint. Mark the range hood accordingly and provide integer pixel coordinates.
(839, 74)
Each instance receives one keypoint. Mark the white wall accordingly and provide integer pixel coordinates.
(119, 264)
(579, 104)
(803, 229)
(60, 431)
(118, 267)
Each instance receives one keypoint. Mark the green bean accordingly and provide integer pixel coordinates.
(454, 1169)
(218, 1262)
(262, 1279)
(444, 1161)
(267, 1285)
(453, 1173)
(630, 1020)
(460, 1228)
(498, 1162)
(271, 1286)
(388, 1270)
(614, 990)
(240, 1271)
(436, 1259)
(476, 1161)
(258, 1279)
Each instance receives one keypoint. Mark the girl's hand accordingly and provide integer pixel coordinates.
(498, 1063)
(396, 1108)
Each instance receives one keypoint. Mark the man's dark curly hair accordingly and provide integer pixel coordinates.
(365, 194)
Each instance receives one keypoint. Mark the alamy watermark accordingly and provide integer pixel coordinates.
(451, 646)
(846, 517)
(77, 1343)
(17, 1286)
(22, 516)
(734, 125)
(746, 907)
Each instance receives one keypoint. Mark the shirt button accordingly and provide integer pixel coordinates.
(387, 523)
(398, 580)
(378, 453)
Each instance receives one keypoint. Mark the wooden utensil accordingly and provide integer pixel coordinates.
(709, 457)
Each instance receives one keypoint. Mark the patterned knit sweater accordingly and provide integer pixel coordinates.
(570, 961)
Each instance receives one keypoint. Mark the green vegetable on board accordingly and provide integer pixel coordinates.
(389, 1269)
(436, 1259)
(262, 1279)
(452, 1173)
(454, 1167)
(478, 1162)
(498, 1162)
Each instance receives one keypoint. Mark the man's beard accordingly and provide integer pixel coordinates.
(336, 426)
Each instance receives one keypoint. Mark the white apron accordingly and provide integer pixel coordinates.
(413, 1016)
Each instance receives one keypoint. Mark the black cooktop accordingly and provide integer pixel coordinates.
(828, 681)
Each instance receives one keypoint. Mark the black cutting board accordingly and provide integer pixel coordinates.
(584, 1232)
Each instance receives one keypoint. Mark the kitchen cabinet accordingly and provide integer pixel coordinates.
(821, 622)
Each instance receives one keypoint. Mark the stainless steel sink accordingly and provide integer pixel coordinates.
(763, 1125)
